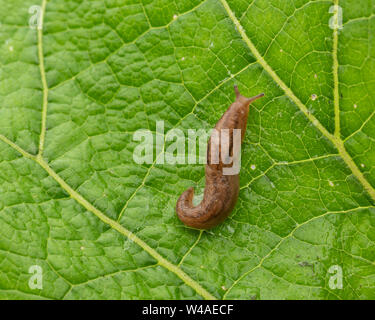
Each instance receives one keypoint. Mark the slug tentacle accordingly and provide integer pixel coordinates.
(221, 191)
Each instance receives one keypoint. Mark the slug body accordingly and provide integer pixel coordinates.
(221, 191)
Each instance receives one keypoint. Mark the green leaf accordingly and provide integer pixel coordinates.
(74, 203)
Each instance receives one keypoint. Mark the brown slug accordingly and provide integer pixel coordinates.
(221, 191)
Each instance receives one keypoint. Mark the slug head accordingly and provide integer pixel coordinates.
(246, 101)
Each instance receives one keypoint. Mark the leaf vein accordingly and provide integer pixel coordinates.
(113, 224)
(335, 140)
(287, 237)
(44, 79)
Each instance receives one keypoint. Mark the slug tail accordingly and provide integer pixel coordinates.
(186, 211)
(203, 216)
(185, 201)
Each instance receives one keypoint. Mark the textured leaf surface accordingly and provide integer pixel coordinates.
(102, 227)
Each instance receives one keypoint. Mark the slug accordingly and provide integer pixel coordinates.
(221, 191)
